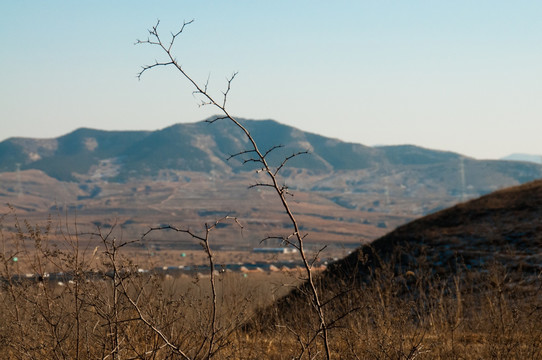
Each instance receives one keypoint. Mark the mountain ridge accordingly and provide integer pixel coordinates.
(537, 159)
(205, 147)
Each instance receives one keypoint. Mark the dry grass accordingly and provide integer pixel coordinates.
(495, 314)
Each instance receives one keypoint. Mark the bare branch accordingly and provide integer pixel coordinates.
(252, 160)
(298, 337)
(207, 83)
(261, 184)
(272, 148)
(239, 153)
(283, 240)
(217, 118)
(259, 157)
(221, 220)
(169, 227)
(288, 158)
(157, 331)
(315, 258)
(174, 36)
(238, 223)
(158, 42)
(148, 67)
(225, 93)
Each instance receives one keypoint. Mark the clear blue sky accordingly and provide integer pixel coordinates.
(464, 76)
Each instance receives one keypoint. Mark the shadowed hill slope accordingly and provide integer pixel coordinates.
(504, 226)
(502, 229)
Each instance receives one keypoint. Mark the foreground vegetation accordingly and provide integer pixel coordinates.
(106, 309)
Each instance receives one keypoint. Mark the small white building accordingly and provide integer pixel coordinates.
(279, 250)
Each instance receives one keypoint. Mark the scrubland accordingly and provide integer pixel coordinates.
(104, 308)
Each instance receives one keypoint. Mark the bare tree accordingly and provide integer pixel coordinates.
(251, 155)
(213, 344)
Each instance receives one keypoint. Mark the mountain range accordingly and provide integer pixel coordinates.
(204, 147)
(537, 159)
(344, 192)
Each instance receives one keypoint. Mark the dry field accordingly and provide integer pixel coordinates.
(107, 309)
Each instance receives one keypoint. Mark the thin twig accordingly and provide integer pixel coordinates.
(281, 191)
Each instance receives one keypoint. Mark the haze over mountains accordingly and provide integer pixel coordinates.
(343, 191)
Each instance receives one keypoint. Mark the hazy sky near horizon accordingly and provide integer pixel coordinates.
(464, 76)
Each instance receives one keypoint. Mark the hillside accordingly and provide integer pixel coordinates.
(503, 227)
(497, 237)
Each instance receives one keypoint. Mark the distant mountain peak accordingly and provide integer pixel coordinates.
(537, 159)
(205, 147)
